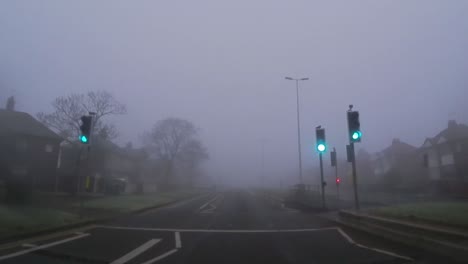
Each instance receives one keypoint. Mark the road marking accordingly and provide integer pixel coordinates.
(180, 203)
(209, 202)
(137, 251)
(385, 252)
(26, 251)
(217, 230)
(167, 254)
(178, 242)
(350, 240)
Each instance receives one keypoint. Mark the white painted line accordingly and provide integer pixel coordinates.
(26, 251)
(29, 245)
(167, 254)
(217, 230)
(209, 202)
(183, 202)
(385, 252)
(178, 242)
(78, 233)
(137, 251)
(350, 240)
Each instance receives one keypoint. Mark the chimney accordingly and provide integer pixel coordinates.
(452, 124)
(395, 141)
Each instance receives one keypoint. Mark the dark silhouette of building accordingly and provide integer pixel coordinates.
(445, 158)
(28, 152)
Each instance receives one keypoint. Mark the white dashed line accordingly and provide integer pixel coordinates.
(137, 251)
(167, 254)
(178, 242)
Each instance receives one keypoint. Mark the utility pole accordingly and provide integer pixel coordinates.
(298, 125)
(356, 197)
(321, 147)
(334, 163)
(354, 134)
(322, 181)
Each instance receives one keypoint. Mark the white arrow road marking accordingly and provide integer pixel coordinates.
(137, 251)
(178, 242)
(167, 254)
(26, 251)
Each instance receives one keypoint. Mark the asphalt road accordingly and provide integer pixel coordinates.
(226, 227)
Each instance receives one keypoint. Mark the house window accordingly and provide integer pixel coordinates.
(49, 148)
(447, 159)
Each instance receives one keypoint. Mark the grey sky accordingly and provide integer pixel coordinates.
(221, 64)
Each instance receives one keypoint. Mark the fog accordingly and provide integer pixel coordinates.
(222, 65)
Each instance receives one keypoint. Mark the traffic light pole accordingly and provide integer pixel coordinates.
(336, 181)
(356, 197)
(322, 182)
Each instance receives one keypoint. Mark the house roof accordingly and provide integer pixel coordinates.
(453, 132)
(398, 147)
(14, 122)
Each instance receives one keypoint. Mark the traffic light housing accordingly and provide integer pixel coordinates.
(333, 158)
(338, 181)
(86, 124)
(354, 127)
(321, 145)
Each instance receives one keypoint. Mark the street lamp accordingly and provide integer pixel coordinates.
(298, 124)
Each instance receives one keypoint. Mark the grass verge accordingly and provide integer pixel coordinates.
(23, 219)
(442, 213)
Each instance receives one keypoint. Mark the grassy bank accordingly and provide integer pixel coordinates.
(64, 210)
(443, 213)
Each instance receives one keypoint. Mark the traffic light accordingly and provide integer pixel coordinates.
(86, 124)
(321, 145)
(354, 127)
(333, 158)
(338, 181)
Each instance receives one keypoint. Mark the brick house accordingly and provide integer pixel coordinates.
(28, 151)
(445, 157)
(398, 166)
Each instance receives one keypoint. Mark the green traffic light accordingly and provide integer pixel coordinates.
(321, 147)
(356, 135)
(83, 139)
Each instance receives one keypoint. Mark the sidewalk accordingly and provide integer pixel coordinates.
(50, 212)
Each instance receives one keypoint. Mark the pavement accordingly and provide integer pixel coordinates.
(234, 226)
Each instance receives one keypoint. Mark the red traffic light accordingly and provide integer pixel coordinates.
(338, 180)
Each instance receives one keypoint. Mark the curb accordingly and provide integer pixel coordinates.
(415, 239)
(100, 220)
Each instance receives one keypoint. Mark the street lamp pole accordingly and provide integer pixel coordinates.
(298, 125)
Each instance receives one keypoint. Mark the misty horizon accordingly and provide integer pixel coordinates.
(223, 67)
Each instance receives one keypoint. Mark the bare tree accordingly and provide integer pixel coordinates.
(65, 119)
(10, 105)
(172, 140)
